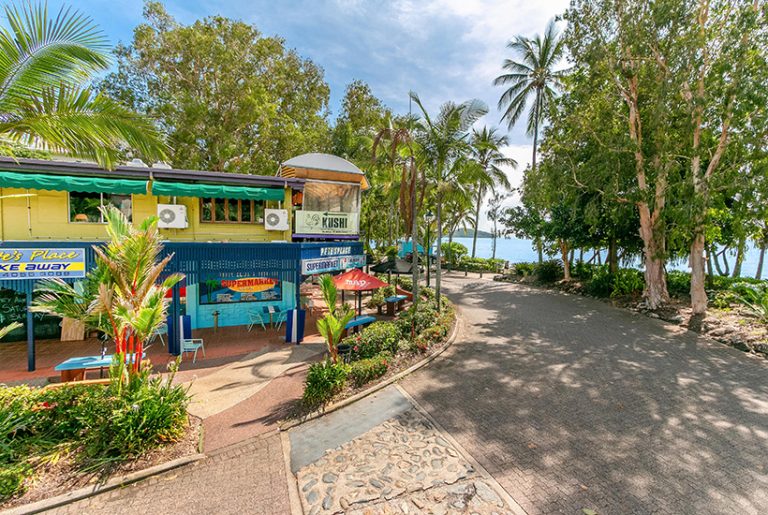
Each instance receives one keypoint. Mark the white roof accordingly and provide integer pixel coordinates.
(320, 161)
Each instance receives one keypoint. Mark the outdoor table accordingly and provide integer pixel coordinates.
(358, 322)
(74, 369)
(395, 301)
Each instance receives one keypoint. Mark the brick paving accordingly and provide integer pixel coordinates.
(246, 478)
(571, 404)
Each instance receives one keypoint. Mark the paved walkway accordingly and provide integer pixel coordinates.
(572, 404)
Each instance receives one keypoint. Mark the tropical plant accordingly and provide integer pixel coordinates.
(46, 62)
(532, 75)
(366, 370)
(485, 150)
(7, 329)
(444, 145)
(332, 325)
(324, 380)
(122, 296)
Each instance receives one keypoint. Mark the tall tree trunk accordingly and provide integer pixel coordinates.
(450, 261)
(540, 250)
(438, 253)
(739, 256)
(477, 220)
(759, 273)
(566, 263)
(581, 254)
(415, 234)
(652, 234)
(717, 263)
(599, 256)
(710, 271)
(536, 107)
(495, 232)
(613, 258)
(698, 276)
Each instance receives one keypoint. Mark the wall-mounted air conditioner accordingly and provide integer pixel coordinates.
(276, 219)
(172, 216)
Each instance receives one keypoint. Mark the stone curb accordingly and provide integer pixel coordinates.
(90, 491)
(379, 386)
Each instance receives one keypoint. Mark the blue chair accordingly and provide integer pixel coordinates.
(256, 317)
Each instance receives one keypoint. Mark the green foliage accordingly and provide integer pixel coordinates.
(366, 370)
(754, 297)
(405, 283)
(229, 97)
(45, 99)
(524, 269)
(679, 283)
(332, 325)
(99, 426)
(376, 338)
(481, 264)
(549, 271)
(454, 252)
(627, 281)
(600, 281)
(324, 380)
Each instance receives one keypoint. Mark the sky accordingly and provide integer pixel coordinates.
(441, 49)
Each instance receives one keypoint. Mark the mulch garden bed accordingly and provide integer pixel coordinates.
(63, 476)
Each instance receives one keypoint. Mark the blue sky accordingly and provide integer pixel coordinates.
(442, 49)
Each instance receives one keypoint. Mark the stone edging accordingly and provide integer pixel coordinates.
(117, 482)
(379, 386)
(89, 491)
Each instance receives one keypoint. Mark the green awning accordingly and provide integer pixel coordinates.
(179, 189)
(38, 181)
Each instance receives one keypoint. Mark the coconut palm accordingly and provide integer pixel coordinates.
(486, 147)
(7, 329)
(444, 143)
(123, 296)
(532, 76)
(45, 64)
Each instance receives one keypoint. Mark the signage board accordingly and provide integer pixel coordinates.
(321, 222)
(41, 263)
(331, 264)
(240, 289)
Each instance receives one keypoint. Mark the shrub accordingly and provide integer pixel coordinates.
(600, 284)
(377, 299)
(627, 281)
(428, 293)
(376, 338)
(583, 271)
(754, 297)
(524, 269)
(678, 283)
(417, 320)
(405, 283)
(454, 252)
(481, 264)
(324, 380)
(549, 271)
(366, 370)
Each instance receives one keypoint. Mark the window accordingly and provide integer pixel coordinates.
(331, 197)
(84, 207)
(232, 211)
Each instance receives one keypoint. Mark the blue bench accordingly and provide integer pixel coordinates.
(395, 301)
(359, 321)
(74, 369)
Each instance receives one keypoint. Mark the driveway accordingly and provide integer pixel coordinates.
(572, 404)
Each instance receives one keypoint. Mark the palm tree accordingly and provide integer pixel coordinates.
(444, 143)
(533, 75)
(486, 147)
(45, 64)
(495, 213)
(7, 329)
(123, 296)
(402, 151)
(332, 325)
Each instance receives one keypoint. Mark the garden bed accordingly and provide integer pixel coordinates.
(64, 476)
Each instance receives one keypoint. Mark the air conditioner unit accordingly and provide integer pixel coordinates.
(276, 219)
(172, 216)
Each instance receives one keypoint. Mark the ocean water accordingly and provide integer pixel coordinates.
(515, 250)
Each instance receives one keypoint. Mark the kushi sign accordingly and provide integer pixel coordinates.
(41, 263)
(320, 222)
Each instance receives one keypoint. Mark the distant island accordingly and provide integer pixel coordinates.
(470, 233)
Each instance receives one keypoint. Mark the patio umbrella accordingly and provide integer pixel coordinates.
(359, 281)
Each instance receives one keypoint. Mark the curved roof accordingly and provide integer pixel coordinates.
(324, 163)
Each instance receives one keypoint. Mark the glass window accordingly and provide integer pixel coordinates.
(206, 210)
(331, 196)
(84, 207)
(231, 211)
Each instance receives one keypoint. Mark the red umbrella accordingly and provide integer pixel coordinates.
(357, 280)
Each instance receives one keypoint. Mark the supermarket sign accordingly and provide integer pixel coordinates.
(331, 264)
(42, 263)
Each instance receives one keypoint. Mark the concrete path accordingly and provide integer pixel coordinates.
(571, 404)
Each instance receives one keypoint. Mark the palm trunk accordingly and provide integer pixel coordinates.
(536, 108)
(540, 250)
(438, 252)
(613, 258)
(414, 237)
(566, 263)
(710, 271)
(759, 273)
(477, 220)
(739, 256)
(450, 240)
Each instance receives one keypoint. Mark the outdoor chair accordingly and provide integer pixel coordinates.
(161, 330)
(256, 317)
(189, 344)
(280, 316)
